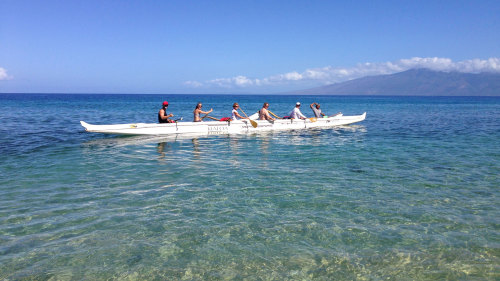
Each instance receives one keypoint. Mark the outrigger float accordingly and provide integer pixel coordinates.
(223, 127)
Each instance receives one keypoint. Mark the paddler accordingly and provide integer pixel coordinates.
(316, 110)
(318, 113)
(197, 111)
(162, 114)
(234, 113)
(296, 114)
(264, 113)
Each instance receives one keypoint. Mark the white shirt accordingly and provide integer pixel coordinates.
(296, 113)
(233, 114)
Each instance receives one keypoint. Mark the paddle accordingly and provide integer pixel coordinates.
(254, 124)
(204, 116)
(334, 114)
(274, 114)
(178, 119)
(213, 118)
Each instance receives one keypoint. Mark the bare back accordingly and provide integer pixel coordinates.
(196, 114)
(264, 114)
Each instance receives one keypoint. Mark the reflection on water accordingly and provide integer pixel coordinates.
(238, 148)
(196, 149)
(234, 146)
(161, 149)
(118, 141)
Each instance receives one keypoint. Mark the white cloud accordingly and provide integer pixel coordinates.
(4, 75)
(193, 84)
(329, 74)
(243, 81)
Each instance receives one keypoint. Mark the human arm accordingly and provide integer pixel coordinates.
(206, 112)
(163, 115)
(239, 116)
(267, 116)
(300, 115)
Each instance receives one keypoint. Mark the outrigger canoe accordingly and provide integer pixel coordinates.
(222, 127)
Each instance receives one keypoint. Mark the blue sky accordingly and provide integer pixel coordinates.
(176, 47)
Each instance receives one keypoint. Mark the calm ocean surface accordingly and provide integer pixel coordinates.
(411, 193)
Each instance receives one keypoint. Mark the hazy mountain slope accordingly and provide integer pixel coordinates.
(418, 82)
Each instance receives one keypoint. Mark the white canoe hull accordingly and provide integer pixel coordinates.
(221, 127)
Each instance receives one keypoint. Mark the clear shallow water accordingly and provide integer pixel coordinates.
(409, 193)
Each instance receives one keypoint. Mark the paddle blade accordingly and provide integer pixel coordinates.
(254, 124)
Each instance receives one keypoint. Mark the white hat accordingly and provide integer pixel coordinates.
(298, 103)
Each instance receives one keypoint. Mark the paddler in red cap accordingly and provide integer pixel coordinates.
(162, 115)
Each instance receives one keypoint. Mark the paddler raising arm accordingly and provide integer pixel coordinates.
(264, 113)
(197, 111)
(318, 113)
(162, 114)
(316, 110)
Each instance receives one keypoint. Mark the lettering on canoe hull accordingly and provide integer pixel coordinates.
(211, 133)
(217, 128)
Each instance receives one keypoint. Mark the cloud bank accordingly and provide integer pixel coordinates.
(329, 75)
(3, 74)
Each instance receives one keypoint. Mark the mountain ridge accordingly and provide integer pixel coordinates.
(415, 82)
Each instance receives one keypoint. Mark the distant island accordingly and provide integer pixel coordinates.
(415, 82)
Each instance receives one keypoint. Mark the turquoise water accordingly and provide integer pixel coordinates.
(411, 193)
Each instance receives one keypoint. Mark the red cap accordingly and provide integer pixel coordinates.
(165, 103)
